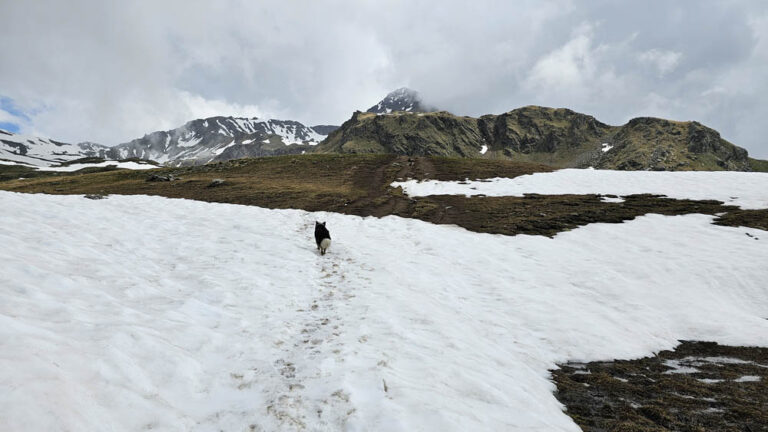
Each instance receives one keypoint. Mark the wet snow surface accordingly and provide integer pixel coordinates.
(745, 189)
(138, 312)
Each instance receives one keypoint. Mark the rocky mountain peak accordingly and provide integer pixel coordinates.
(402, 99)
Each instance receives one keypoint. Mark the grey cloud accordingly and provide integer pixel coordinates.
(112, 71)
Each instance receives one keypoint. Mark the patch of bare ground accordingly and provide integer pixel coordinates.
(699, 386)
(360, 185)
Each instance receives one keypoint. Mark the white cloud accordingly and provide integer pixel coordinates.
(567, 66)
(580, 74)
(199, 107)
(663, 61)
(6, 117)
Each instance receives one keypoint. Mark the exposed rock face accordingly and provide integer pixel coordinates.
(664, 145)
(408, 134)
(402, 99)
(530, 133)
(222, 138)
(197, 142)
(559, 137)
(540, 130)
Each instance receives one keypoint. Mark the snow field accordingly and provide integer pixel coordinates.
(75, 167)
(744, 189)
(137, 312)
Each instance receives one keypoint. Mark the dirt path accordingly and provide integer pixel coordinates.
(379, 201)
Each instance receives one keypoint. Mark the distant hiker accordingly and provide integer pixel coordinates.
(322, 237)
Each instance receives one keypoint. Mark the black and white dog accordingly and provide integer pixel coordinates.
(322, 237)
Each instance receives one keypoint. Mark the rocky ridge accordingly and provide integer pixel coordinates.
(555, 136)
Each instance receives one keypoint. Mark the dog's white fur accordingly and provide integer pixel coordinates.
(325, 244)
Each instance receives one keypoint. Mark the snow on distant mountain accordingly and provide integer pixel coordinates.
(43, 152)
(197, 142)
(402, 99)
(223, 138)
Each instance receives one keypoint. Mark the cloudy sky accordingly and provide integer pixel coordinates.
(110, 71)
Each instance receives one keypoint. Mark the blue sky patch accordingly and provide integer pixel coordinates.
(7, 105)
(10, 127)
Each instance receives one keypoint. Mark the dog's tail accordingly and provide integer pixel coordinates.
(325, 243)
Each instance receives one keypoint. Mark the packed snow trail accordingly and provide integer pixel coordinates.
(139, 312)
(311, 349)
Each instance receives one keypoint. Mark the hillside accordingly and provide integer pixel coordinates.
(36, 152)
(364, 185)
(144, 313)
(639, 250)
(658, 144)
(557, 137)
(196, 142)
(222, 138)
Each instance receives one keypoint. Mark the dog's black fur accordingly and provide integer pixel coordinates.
(321, 233)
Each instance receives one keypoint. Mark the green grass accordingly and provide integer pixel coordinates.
(758, 165)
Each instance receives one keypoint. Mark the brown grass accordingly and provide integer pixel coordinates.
(359, 185)
(636, 395)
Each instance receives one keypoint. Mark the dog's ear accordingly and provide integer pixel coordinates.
(323, 224)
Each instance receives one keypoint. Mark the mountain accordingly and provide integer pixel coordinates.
(555, 136)
(43, 152)
(402, 99)
(199, 141)
(222, 138)
(402, 124)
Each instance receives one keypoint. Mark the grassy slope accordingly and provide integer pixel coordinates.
(359, 185)
(672, 146)
(758, 165)
(13, 172)
(521, 135)
(557, 137)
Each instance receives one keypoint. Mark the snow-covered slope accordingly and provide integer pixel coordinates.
(119, 164)
(745, 189)
(198, 141)
(43, 152)
(222, 138)
(232, 321)
(402, 99)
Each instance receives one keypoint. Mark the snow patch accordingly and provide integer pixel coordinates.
(679, 367)
(745, 189)
(747, 378)
(238, 321)
(75, 167)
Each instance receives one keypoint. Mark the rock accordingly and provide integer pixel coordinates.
(159, 178)
(216, 182)
(95, 196)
